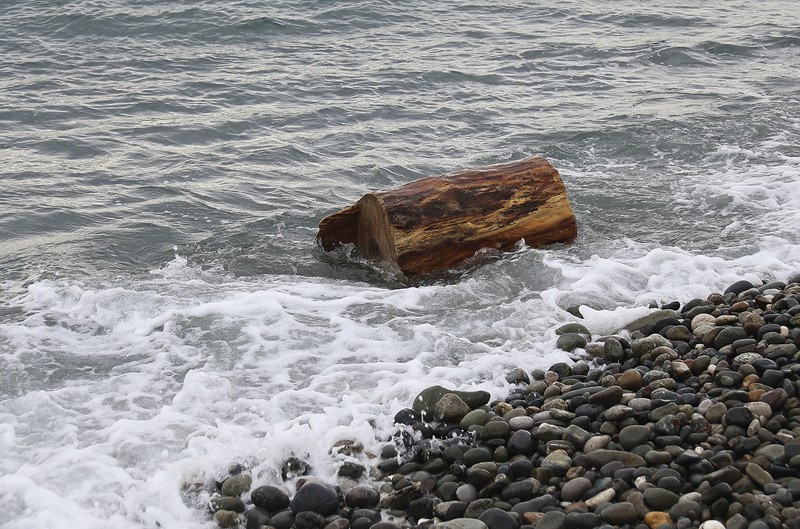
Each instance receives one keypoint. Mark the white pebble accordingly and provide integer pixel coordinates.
(712, 524)
(601, 497)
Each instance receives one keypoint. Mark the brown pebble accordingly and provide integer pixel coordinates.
(754, 394)
(710, 336)
(749, 380)
(726, 319)
(716, 298)
(763, 302)
(751, 328)
(656, 518)
(579, 506)
(679, 333)
(680, 370)
(575, 472)
(630, 380)
(532, 517)
(740, 306)
(502, 408)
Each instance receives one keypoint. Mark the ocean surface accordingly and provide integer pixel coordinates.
(165, 312)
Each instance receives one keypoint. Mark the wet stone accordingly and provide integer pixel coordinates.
(570, 341)
(772, 378)
(558, 462)
(738, 416)
(552, 520)
(574, 489)
(652, 319)
(679, 333)
(660, 499)
(226, 503)
(737, 288)
(450, 408)
(426, 401)
(686, 509)
(618, 412)
(581, 520)
(294, 467)
(688, 429)
(495, 430)
(478, 507)
(270, 497)
(716, 412)
(521, 442)
(758, 474)
(598, 458)
(728, 335)
(475, 417)
(665, 410)
(613, 350)
(518, 376)
(282, 520)
(450, 510)
(668, 425)
(461, 523)
(596, 442)
(495, 518)
(351, 470)
(720, 490)
(309, 520)
(607, 397)
(521, 423)
(634, 435)
(746, 358)
(631, 380)
(226, 518)
(574, 328)
(521, 490)
(256, 517)
(316, 497)
(592, 411)
(642, 346)
(537, 504)
(360, 497)
(619, 513)
(727, 378)
(237, 485)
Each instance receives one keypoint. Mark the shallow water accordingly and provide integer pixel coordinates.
(165, 312)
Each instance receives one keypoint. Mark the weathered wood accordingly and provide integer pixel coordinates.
(434, 223)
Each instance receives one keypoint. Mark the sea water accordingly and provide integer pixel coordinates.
(165, 313)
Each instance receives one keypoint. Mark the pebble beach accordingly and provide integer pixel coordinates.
(686, 418)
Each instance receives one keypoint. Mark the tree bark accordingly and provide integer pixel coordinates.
(434, 223)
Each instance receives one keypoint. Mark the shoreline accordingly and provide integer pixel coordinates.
(690, 418)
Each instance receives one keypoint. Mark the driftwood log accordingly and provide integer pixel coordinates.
(434, 223)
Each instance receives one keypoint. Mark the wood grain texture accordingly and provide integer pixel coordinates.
(434, 223)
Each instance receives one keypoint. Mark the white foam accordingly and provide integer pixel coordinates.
(193, 375)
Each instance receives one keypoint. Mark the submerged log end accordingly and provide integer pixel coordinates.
(339, 228)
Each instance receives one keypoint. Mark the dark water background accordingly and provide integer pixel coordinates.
(164, 310)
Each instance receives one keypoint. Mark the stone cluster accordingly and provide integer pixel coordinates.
(690, 418)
